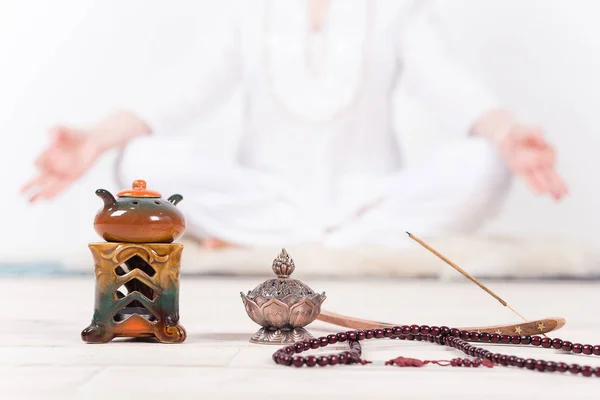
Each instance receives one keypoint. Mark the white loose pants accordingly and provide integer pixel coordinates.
(456, 190)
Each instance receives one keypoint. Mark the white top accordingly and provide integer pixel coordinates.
(317, 106)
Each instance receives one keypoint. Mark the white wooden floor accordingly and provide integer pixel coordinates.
(42, 355)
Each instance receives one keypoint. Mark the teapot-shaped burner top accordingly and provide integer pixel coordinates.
(139, 215)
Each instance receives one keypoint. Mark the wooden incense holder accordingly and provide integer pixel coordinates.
(535, 327)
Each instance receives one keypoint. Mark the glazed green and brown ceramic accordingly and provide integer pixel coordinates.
(137, 292)
(139, 215)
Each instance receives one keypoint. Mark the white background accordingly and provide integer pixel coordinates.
(70, 61)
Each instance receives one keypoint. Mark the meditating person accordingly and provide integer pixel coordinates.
(319, 160)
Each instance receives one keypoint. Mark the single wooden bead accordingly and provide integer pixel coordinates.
(519, 362)
(342, 337)
(557, 343)
(485, 337)
(597, 371)
(540, 365)
(311, 361)
(596, 350)
(379, 333)
(495, 338)
(360, 335)
(315, 343)
(435, 330)
(405, 329)
(369, 334)
(577, 348)
(286, 360)
(464, 335)
(323, 361)
(515, 339)
(323, 341)
(333, 360)
(298, 361)
(536, 340)
(562, 367)
(567, 346)
(351, 335)
(299, 347)
(525, 339)
(587, 349)
(387, 332)
(574, 368)
(414, 329)
(546, 343)
(530, 363)
(550, 366)
(455, 332)
(586, 370)
(397, 331)
(505, 339)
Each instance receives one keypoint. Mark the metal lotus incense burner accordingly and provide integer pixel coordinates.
(282, 306)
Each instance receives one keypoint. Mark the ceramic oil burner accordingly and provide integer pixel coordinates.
(282, 306)
(137, 269)
(139, 215)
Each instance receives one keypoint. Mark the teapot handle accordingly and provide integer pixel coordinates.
(175, 199)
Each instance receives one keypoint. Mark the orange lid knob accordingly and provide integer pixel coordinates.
(139, 184)
(138, 189)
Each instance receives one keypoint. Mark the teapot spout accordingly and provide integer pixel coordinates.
(174, 199)
(106, 196)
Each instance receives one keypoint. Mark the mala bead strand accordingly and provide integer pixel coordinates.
(445, 336)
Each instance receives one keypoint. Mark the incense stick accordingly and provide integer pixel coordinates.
(464, 273)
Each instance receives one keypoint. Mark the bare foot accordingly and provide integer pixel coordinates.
(214, 243)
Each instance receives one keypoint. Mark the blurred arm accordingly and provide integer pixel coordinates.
(464, 104)
(437, 77)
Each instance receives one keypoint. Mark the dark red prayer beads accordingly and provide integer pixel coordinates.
(444, 336)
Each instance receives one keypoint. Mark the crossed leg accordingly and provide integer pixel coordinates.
(224, 202)
(454, 191)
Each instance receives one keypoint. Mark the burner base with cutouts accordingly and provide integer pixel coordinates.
(137, 292)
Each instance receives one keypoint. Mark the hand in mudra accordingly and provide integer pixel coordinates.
(70, 154)
(531, 157)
